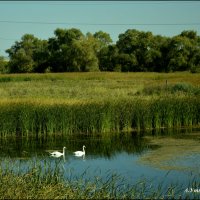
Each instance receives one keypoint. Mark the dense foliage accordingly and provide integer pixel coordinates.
(3, 64)
(70, 50)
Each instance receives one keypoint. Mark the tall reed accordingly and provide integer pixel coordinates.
(49, 117)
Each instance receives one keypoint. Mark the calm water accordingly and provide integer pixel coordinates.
(167, 156)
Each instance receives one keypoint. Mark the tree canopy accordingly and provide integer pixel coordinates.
(70, 50)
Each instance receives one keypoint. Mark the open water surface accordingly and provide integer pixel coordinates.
(167, 157)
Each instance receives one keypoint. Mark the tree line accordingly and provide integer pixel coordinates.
(135, 51)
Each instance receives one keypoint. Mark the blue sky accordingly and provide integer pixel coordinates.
(41, 18)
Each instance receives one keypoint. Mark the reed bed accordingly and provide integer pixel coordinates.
(48, 117)
(63, 103)
(42, 181)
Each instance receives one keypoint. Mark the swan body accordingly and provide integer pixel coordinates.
(57, 154)
(80, 153)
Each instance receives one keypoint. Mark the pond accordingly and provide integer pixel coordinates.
(166, 156)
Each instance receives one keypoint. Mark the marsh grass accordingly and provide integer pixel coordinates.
(47, 117)
(42, 182)
(62, 103)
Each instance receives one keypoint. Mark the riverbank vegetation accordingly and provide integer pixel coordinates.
(135, 51)
(49, 117)
(65, 103)
(40, 181)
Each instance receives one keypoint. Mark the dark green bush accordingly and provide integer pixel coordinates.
(5, 79)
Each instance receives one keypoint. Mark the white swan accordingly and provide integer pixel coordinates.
(80, 153)
(57, 154)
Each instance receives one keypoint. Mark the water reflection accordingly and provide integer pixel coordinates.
(120, 153)
(58, 157)
(58, 154)
(105, 146)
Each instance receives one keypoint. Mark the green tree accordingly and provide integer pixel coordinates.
(103, 39)
(127, 62)
(128, 42)
(28, 55)
(62, 51)
(102, 46)
(148, 51)
(195, 58)
(189, 34)
(85, 56)
(21, 62)
(108, 59)
(70, 50)
(160, 62)
(3, 65)
(183, 51)
(41, 56)
(21, 55)
(139, 50)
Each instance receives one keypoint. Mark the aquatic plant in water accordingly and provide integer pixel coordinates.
(41, 181)
(42, 118)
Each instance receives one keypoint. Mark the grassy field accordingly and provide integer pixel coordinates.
(87, 86)
(97, 102)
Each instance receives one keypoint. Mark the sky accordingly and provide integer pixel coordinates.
(42, 18)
